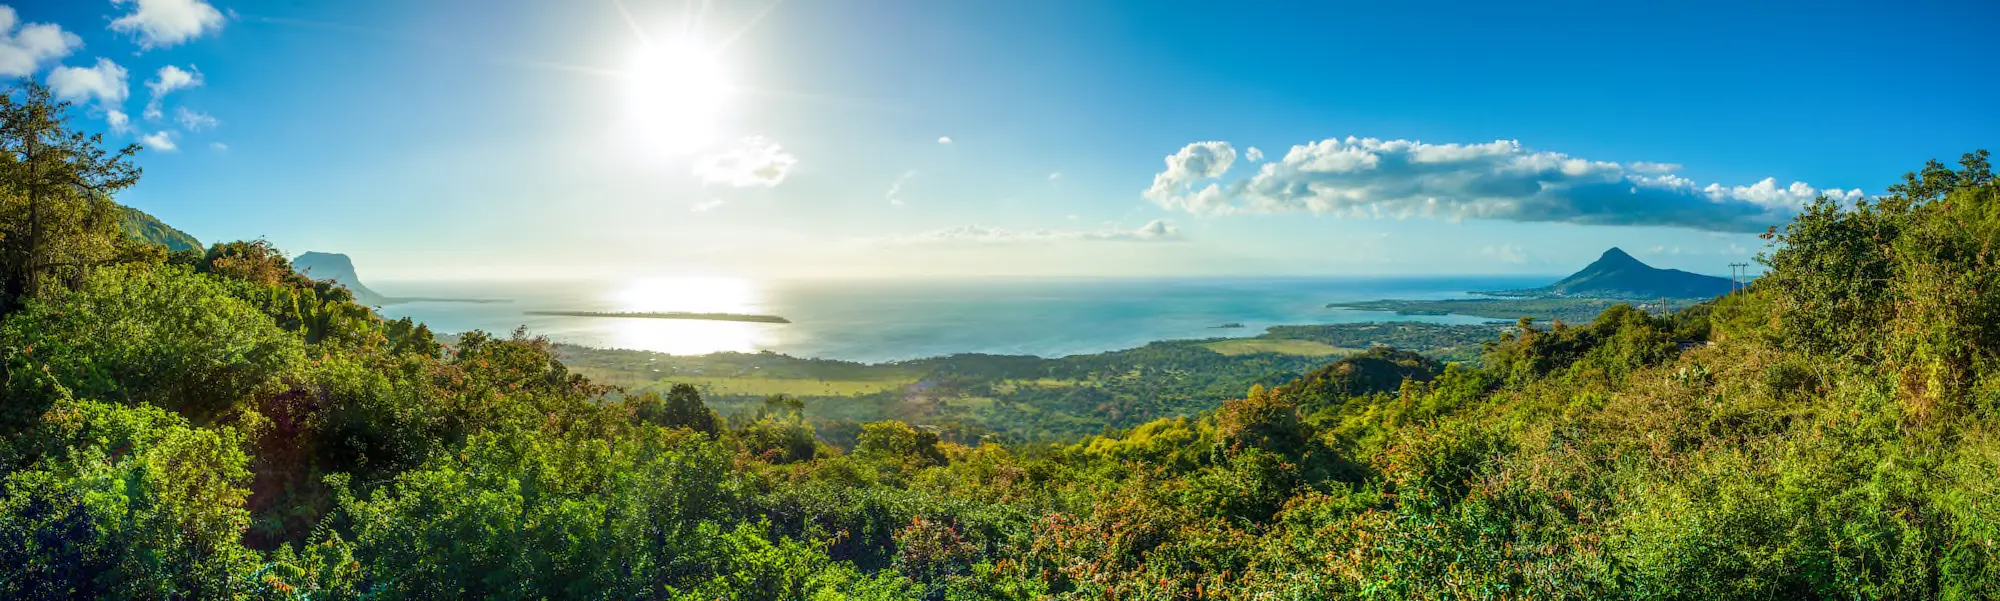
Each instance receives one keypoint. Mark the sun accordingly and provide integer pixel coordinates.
(677, 93)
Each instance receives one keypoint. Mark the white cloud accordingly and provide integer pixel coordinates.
(162, 141)
(1197, 161)
(1506, 253)
(193, 120)
(118, 120)
(1055, 176)
(1253, 154)
(218, 146)
(104, 81)
(1652, 168)
(706, 205)
(751, 161)
(944, 139)
(895, 194)
(24, 50)
(163, 23)
(169, 79)
(1502, 180)
(1153, 231)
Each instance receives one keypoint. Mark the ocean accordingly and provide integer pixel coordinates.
(892, 320)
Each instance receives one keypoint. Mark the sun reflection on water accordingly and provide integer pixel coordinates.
(689, 336)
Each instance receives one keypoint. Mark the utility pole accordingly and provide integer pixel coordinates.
(1735, 283)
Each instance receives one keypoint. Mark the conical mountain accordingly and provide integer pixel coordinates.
(1616, 274)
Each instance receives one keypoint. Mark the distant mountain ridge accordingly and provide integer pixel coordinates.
(145, 228)
(1616, 274)
(339, 268)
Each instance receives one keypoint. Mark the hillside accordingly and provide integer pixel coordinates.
(140, 226)
(1617, 275)
(337, 267)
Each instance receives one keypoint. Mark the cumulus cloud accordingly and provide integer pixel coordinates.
(24, 50)
(1253, 154)
(1153, 231)
(163, 23)
(162, 141)
(944, 139)
(118, 120)
(1502, 180)
(104, 81)
(895, 195)
(752, 161)
(1175, 187)
(194, 120)
(169, 79)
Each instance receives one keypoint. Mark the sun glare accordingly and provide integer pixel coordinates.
(677, 93)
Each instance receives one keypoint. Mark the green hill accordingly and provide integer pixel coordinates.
(1618, 275)
(140, 226)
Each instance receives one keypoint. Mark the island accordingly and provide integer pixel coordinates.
(667, 315)
(1229, 325)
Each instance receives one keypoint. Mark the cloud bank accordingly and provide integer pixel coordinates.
(1154, 231)
(1502, 180)
(749, 162)
(24, 50)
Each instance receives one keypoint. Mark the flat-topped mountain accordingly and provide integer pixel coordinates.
(1618, 275)
(339, 268)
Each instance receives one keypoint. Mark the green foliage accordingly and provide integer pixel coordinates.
(219, 427)
(137, 225)
(896, 442)
(682, 408)
(147, 334)
(57, 221)
(126, 502)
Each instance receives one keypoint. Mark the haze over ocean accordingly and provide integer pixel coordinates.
(892, 320)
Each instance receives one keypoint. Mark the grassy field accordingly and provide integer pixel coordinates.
(1250, 346)
(763, 386)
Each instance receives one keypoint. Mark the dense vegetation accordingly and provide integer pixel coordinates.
(972, 397)
(214, 426)
(146, 228)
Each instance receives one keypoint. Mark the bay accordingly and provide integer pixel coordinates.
(892, 320)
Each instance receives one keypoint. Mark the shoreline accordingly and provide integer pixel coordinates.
(666, 315)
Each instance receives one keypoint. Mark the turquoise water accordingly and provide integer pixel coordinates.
(876, 321)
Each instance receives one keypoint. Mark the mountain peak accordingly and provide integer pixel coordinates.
(1617, 274)
(1617, 255)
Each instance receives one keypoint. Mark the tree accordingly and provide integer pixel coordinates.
(682, 408)
(56, 214)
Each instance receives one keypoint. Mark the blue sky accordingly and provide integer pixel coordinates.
(806, 138)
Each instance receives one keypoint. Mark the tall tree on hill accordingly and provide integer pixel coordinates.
(56, 213)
